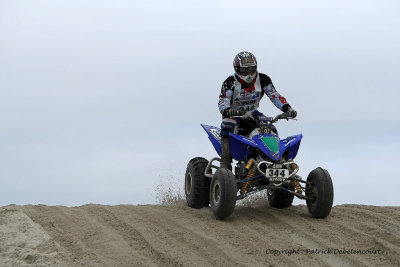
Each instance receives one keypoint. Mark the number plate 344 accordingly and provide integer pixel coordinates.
(277, 174)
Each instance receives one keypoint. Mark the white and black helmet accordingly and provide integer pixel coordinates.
(245, 65)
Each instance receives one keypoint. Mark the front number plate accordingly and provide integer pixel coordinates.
(277, 173)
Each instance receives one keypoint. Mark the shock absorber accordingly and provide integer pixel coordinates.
(292, 167)
(251, 173)
(297, 186)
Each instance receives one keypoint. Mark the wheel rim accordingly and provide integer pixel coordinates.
(216, 193)
(313, 193)
(188, 183)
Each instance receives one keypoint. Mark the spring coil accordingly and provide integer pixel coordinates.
(297, 186)
(246, 185)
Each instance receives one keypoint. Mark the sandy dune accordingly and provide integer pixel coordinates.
(175, 235)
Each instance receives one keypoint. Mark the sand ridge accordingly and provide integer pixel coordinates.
(176, 235)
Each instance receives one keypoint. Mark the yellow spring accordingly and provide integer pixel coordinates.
(297, 186)
(246, 185)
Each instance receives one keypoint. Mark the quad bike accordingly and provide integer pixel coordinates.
(263, 162)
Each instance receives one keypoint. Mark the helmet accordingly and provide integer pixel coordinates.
(245, 65)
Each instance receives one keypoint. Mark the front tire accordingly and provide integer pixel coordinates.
(320, 191)
(196, 184)
(223, 193)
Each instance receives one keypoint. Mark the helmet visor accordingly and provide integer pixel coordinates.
(247, 70)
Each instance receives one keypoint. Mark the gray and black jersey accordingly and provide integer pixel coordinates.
(239, 95)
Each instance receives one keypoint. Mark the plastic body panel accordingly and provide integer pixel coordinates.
(240, 146)
(214, 136)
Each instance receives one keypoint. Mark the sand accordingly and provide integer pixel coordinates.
(176, 235)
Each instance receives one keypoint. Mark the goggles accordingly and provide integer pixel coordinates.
(247, 70)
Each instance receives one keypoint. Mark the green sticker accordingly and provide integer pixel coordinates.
(271, 143)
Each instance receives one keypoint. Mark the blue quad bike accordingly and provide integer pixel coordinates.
(264, 161)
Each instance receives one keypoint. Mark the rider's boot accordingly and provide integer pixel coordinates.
(226, 158)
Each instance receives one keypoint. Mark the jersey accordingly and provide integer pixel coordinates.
(242, 96)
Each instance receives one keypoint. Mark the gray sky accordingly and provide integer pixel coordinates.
(101, 101)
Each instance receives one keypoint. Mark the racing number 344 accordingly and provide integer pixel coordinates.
(248, 108)
(276, 173)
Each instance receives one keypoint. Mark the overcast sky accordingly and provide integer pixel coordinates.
(101, 101)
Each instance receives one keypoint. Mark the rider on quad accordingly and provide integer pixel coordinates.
(242, 92)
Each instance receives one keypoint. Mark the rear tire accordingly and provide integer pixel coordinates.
(197, 185)
(223, 192)
(321, 192)
(279, 199)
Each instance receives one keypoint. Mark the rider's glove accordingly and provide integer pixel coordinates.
(229, 112)
(291, 113)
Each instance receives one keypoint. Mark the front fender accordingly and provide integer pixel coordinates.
(239, 146)
(214, 136)
(290, 145)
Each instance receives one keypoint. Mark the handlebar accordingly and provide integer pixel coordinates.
(282, 116)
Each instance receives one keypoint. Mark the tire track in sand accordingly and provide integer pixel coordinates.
(136, 241)
(96, 235)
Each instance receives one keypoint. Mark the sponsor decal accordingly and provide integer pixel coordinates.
(215, 133)
(247, 91)
(277, 179)
(289, 141)
(245, 103)
(256, 96)
(248, 140)
(282, 99)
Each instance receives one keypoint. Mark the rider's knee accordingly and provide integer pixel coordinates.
(227, 126)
